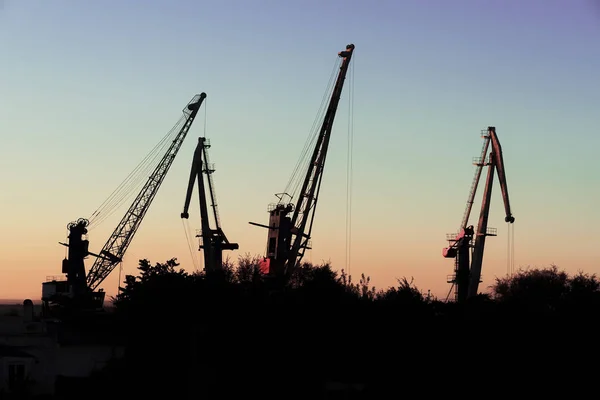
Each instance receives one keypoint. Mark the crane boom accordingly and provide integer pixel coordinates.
(114, 249)
(499, 162)
(479, 163)
(304, 212)
(289, 236)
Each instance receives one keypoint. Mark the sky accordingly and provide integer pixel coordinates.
(88, 88)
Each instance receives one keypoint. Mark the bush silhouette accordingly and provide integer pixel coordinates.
(233, 333)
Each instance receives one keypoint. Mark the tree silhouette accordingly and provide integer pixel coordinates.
(232, 333)
(548, 290)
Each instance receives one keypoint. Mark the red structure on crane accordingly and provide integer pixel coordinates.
(79, 289)
(468, 245)
(212, 241)
(289, 235)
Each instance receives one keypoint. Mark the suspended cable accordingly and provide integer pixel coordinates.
(349, 160)
(186, 231)
(120, 277)
(134, 180)
(508, 269)
(512, 250)
(315, 125)
(194, 245)
(301, 166)
(131, 177)
(205, 115)
(127, 191)
(316, 129)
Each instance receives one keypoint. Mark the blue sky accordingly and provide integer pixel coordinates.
(88, 88)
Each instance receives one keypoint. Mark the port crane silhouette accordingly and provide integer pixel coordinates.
(212, 241)
(79, 288)
(290, 224)
(467, 246)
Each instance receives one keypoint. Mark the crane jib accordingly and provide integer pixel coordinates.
(122, 236)
(289, 235)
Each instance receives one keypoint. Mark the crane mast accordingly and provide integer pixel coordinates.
(289, 236)
(467, 247)
(212, 241)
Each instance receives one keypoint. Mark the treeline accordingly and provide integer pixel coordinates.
(234, 333)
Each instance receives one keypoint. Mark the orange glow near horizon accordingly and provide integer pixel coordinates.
(82, 107)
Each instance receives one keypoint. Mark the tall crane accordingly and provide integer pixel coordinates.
(468, 245)
(81, 289)
(289, 235)
(212, 241)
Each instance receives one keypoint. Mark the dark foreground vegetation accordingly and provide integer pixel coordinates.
(231, 336)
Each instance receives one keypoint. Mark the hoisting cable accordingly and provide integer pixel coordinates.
(119, 288)
(302, 161)
(513, 247)
(508, 270)
(131, 184)
(205, 115)
(134, 180)
(128, 180)
(510, 250)
(188, 239)
(296, 178)
(349, 160)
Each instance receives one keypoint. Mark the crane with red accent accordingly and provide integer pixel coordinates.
(79, 289)
(212, 241)
(290, 224)
(467, 246)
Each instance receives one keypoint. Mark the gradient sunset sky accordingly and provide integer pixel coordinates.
(87, 88)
